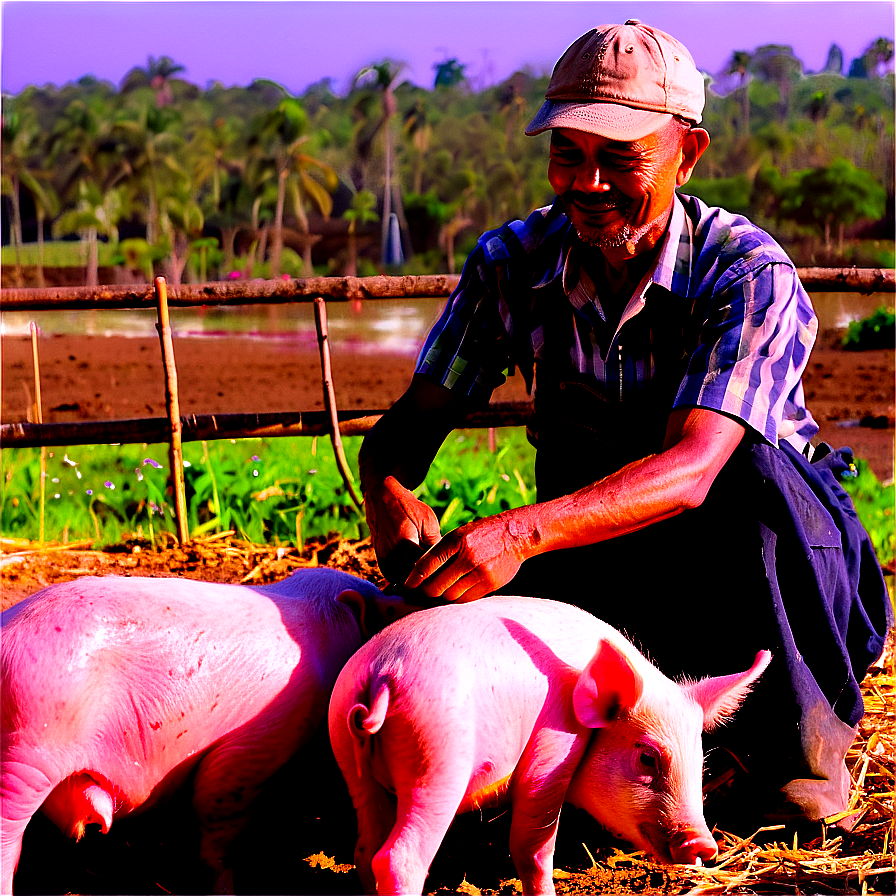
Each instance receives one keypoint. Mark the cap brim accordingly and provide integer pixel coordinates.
(608, 120)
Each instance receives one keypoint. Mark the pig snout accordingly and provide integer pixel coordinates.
(690, 845)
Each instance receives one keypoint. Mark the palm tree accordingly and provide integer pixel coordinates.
(92, 173)
(361, 211)
(449, 73)
(181, 221)
(739, 64)
(46, 205)
(419, 132)
(97, 212)
(777, 64)
(279, 144)
(212, 148)
(382, 77)
(157, 74)
(21, 146)
(152, 150)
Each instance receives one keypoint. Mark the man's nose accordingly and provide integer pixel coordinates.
(589, 180)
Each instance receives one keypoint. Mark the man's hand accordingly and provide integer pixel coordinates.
(401, 526)
(475, 559)
(480, 557)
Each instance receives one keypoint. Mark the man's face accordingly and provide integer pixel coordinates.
(616, 194)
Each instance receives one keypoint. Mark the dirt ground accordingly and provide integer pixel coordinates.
(301, 836)
(850, 394)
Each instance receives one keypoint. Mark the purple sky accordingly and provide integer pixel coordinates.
(297, 43)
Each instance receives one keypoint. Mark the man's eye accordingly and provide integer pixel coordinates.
(564, 156)
(620, 163)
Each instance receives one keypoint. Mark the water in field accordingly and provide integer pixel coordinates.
(385, 325)
(375, 325)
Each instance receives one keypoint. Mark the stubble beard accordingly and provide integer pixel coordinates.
(624, 234)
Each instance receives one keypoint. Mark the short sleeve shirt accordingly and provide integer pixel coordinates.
(744, 322)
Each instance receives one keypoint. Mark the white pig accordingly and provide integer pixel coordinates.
(115, 689)
(522, 701)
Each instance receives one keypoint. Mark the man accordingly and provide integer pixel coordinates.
(664, 342)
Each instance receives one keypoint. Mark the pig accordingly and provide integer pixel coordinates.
(527, 702)
(114, 689)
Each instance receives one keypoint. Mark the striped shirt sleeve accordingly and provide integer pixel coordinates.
(469, 348)
(753, 348)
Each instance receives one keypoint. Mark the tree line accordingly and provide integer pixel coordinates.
(216, 182)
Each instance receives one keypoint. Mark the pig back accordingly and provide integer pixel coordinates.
(474, 665)
(157, 668)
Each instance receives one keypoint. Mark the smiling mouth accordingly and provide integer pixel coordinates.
(591, 207)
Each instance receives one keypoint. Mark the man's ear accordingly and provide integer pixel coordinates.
(693, 146)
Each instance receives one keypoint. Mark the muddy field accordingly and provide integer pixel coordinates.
(850, 394)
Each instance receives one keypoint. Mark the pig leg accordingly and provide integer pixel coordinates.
(423, 816)
(228, 779)
(375, 811)
(374, 804)
(538, 794)
(23, 789)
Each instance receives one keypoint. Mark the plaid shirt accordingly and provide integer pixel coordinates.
(740, 318)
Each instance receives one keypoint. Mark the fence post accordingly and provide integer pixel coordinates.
(323, 339)
(175, 448)
(39, 419)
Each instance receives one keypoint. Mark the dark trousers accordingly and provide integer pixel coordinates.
(775, 558)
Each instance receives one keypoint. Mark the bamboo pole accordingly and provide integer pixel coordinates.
(256, 292)
(326, 372)
(197, 427)
(39, 419)
(175, 448)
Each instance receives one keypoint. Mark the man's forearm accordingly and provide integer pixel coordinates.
(642, 493)
(406, 439)
(384, 453)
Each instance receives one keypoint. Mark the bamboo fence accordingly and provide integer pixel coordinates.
(175, 429)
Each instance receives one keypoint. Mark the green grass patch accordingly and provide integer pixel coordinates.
(274, 491)
(874, 503)
(284, 491)
(878, 330)
(57, 254)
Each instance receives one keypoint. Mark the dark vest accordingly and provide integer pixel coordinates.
(585, 429)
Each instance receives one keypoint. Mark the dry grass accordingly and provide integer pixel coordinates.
(859, 862)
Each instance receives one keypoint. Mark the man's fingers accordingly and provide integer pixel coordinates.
(467, 588)
(434, 571)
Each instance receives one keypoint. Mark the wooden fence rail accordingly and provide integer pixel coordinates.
(232, 292)
(208, 427)
(269, 292)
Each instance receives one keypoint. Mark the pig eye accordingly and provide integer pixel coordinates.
(647, 763)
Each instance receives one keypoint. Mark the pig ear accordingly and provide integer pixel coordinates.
(722, 695)
(605, 686)
(354, 601)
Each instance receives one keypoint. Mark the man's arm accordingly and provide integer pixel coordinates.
(394, 459)
(483, 555)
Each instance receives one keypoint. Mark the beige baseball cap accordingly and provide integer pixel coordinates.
(622, 82)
